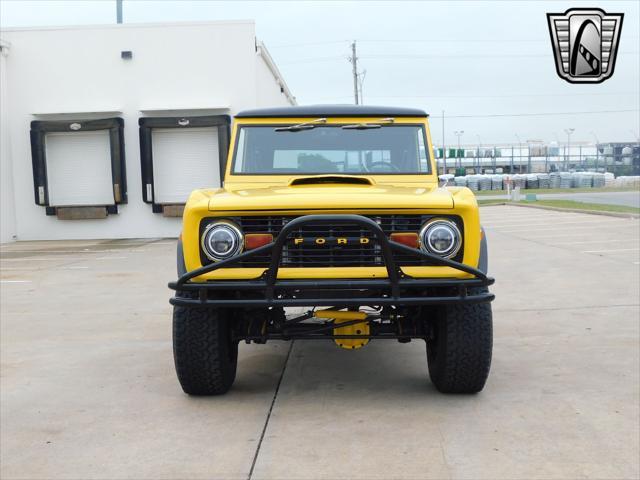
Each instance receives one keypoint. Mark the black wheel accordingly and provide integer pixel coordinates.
(459, 350)
(205, 354)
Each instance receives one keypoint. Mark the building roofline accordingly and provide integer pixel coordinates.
(127, 25)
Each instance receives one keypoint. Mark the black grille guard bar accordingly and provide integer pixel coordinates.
(395, 281)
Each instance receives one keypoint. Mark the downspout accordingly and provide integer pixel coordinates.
(271, 65)
(7, 180)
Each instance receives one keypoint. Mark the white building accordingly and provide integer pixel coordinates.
(80, 104)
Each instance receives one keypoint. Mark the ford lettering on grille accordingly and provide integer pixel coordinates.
(329, 241)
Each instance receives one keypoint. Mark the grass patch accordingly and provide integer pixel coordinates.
(599, 207)
(570, 204)
(491, 202)
(558, 190)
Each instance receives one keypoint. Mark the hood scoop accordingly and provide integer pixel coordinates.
(331, 179)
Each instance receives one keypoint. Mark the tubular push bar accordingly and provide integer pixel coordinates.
(395, 281)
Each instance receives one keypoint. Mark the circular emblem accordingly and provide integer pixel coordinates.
(75, 126)
(183, 122)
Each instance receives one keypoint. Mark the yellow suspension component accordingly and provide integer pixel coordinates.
(356, 329)
(340, 315)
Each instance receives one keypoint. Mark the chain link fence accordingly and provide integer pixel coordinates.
(620, 159)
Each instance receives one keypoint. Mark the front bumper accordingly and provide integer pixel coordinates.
(398, 289)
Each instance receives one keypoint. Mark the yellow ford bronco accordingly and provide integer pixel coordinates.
(331, 225)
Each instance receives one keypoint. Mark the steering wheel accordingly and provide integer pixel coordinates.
(391, 166)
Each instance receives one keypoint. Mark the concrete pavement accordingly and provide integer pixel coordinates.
(89, 391)
(88, 384)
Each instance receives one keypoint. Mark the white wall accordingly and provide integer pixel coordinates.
(176, 69)
(7, 204)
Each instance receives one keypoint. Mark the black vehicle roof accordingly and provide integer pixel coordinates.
(332, 111)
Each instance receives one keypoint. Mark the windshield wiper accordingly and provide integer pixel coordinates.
(367, 126)
(302, 126)
(361, 126)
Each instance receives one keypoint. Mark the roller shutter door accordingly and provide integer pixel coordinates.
(184, 160)
(79, 168)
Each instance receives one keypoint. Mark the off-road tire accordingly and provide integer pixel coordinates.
(205, 355)
(459, 353)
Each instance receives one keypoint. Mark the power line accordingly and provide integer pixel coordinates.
(336, 42)
(470, 55)
(314, 60)
(419, 40)
(464, 40)
(454, 40)
(514, 95)
(425, 56)
(493, 115)
(311, 44)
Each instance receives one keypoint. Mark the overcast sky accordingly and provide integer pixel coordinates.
(488, 65)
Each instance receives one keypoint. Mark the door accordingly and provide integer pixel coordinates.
(78, 168)
(184, 160)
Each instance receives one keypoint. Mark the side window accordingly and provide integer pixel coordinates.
(422, 152)
(240, 154)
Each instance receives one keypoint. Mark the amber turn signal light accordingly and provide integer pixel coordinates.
(255, 240)
(408, 239)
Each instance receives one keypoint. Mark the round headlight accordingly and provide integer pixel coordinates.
(221, 241)
(441, 237)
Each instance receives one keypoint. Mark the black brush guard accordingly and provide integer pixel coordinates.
(398, 289)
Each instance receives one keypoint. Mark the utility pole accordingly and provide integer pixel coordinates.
(444, 148)
(354, 63)
(459, 133)
(568, 131)
(511, 167)
(580, 156)
(519, 153)
(479, 147)
(597, 150)
(119, 11)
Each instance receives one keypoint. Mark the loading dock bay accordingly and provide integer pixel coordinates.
(89, 390)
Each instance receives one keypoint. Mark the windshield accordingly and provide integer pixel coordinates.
(390, 149)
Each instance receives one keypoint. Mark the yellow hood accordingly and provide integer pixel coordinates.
(330, 196)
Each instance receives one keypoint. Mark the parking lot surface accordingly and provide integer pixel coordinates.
(88, 388)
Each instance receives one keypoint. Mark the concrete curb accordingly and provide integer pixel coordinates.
(573, 210)
(557, 191)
